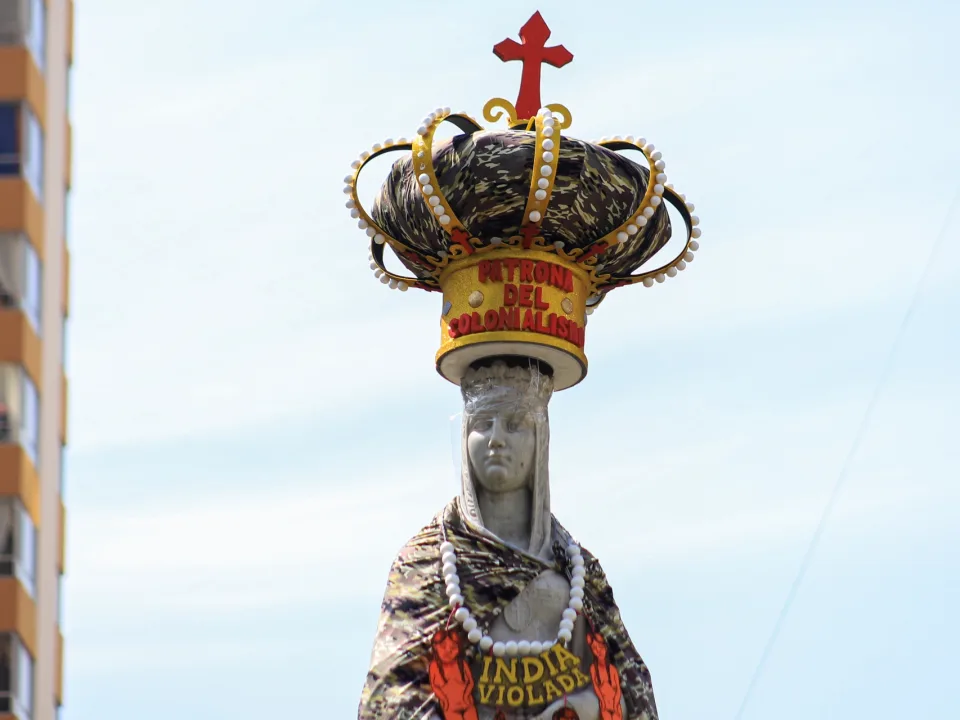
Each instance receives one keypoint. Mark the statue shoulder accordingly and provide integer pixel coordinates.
(424, 547)
(596, 576)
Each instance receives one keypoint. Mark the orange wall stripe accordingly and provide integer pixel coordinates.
(19, 344)
(20, 79)
(18, 613)
(18, 478)
(20, 212)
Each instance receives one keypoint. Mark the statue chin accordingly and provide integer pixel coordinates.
(499, 482)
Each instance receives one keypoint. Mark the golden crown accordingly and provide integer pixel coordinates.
(522, 230)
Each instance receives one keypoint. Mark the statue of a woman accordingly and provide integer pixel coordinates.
(493, 611)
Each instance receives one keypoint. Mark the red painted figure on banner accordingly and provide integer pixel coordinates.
(606, 680)
(450, 677)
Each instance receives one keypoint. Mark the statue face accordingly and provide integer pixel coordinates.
(501, 446)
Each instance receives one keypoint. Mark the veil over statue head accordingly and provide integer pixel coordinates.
(506, 445)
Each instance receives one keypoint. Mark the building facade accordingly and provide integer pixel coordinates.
(36, 49)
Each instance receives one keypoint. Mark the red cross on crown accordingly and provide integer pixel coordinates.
(533, 52)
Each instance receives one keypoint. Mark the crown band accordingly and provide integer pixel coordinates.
(511, 296)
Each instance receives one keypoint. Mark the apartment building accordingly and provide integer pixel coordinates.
(36, 48)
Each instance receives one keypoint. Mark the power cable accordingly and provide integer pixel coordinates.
(848, 462)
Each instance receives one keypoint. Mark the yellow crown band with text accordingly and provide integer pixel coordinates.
(514, 302)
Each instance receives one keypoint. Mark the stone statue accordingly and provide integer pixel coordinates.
(492, 611)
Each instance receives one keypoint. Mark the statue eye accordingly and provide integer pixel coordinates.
(513, 426)
(483, 424)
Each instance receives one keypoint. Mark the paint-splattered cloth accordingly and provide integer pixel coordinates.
(492, 574)
(485, 177)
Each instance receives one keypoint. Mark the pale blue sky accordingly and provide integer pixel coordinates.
(257, 426)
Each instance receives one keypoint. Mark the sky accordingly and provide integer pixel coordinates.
(257, 427)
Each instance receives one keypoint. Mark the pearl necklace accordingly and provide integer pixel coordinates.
(462, 615)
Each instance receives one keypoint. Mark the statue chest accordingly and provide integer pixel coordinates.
(535, 686)
(536, 612)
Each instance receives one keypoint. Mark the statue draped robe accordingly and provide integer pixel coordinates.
(415, 608)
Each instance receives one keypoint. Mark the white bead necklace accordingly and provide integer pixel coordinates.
(462, 614)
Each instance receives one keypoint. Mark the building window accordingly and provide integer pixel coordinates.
(30, 419)
(37, 32)
(20, 277)
(33, 152)
(32, 275)
(26, 553)
(21, 145)
(18, 544)
(16, 677)
(19, 409)
(9, 139)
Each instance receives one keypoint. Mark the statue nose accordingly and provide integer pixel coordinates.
(496, 435)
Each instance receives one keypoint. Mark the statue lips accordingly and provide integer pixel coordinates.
(497, 459)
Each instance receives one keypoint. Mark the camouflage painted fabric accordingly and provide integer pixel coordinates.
(415, 607)
(485, 177)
